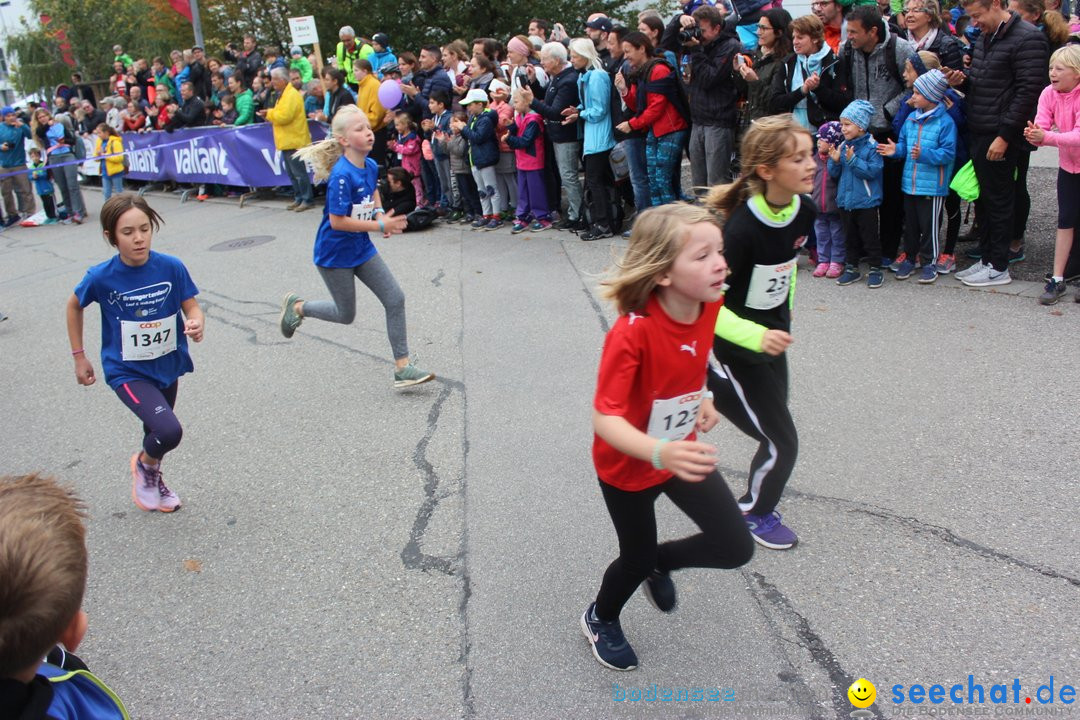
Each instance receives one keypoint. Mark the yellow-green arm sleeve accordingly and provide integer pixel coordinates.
(791, 291)
(740, 331)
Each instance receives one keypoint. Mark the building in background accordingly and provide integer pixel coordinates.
(10, 13)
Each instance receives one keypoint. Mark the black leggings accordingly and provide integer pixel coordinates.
(161, 429)
(755, 399)
(724, 541)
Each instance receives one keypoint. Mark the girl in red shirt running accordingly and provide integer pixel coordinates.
(650, 401)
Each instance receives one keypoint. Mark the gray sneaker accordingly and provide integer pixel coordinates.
(1053, 292)
(969, 271)
(411, 375)
(290, 319)
(987, 277)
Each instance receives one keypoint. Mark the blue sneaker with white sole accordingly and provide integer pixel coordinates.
(769, 532)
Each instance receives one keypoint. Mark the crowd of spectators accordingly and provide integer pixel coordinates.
(617, 110)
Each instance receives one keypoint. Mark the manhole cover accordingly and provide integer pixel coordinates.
(241, 243)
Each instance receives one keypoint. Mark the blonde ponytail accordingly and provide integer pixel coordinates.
(321, 156)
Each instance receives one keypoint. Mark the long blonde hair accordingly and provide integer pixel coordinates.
(657, 238)
(322, 155)
(768, 141)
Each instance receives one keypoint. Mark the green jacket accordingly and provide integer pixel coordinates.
(245, 108)
(345, 59)
(304, 66)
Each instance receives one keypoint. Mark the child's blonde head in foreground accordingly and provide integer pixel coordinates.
(657, 238)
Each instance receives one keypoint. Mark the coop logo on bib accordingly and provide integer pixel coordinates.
(769, 285)
(142, 302)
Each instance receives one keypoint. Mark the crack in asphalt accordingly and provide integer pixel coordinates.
(820, 654)
(922, 527)
(940, 533)
(412, 555)
(604, 324)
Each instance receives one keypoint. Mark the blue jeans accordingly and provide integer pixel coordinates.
(298, 176)
(112, 184)
(639, 171)
(429, 175)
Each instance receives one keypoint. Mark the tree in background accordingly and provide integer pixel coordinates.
(146, 28)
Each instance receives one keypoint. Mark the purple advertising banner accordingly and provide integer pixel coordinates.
(243, 156)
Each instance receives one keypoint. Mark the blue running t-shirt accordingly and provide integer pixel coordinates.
(350, 191)
(142, 328)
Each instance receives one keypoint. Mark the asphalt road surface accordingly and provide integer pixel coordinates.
(346, 550)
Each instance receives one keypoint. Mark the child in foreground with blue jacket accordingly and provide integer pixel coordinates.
(927, 145)
(857, 167)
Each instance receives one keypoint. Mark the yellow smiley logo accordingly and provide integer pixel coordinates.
(862, 693)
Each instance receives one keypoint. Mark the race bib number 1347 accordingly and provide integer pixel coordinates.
(148, 340)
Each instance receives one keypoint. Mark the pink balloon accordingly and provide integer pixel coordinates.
(389, 93)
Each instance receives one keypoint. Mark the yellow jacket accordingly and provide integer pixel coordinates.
(367, 99)
(289, 121)
(113, 165)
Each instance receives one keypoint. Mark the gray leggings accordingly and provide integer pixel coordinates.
(67, 179)
(377, 276)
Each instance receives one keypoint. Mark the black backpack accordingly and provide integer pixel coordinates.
(615, 209)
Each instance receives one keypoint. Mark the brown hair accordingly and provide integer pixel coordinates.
(116, 206)
(43, 564)
(655, 241)
(809, 25)
(768, 141)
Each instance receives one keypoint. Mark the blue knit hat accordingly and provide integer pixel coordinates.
(830, 133)
(7, 110)
(917, 64)
(859, 112)
(932, 85)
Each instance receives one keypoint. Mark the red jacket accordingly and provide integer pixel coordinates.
(659, 115)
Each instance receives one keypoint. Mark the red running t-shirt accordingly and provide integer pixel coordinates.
(652, 373)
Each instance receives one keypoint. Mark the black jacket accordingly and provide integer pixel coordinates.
(91, 121)
(199, 77)
(248, 66)
(824, 104)
(191, 114)
(1007, 75)
(712, 88)
(561, 93)
(948, 49)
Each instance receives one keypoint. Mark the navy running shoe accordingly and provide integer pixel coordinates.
(660, 591)
(608, 643)
(851, 275)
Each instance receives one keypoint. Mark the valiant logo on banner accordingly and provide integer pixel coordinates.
(243, 157)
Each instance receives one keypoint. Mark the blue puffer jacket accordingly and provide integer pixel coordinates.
(594, 89)
(859, 179)
(480, 132)
(956, 111)
(935, 134)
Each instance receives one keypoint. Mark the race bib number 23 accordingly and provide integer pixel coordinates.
(769, 285)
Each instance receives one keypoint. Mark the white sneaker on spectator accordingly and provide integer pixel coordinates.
(968, 272)
(987, 276)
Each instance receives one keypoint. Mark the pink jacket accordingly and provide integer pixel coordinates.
(1061, 111)
(504, 111)
(408, 149)
(529, 156)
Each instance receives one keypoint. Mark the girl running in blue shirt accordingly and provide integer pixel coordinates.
(148, 312)
(343, 248)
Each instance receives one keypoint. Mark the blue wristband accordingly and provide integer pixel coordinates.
(656, 461)
(382, 226)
